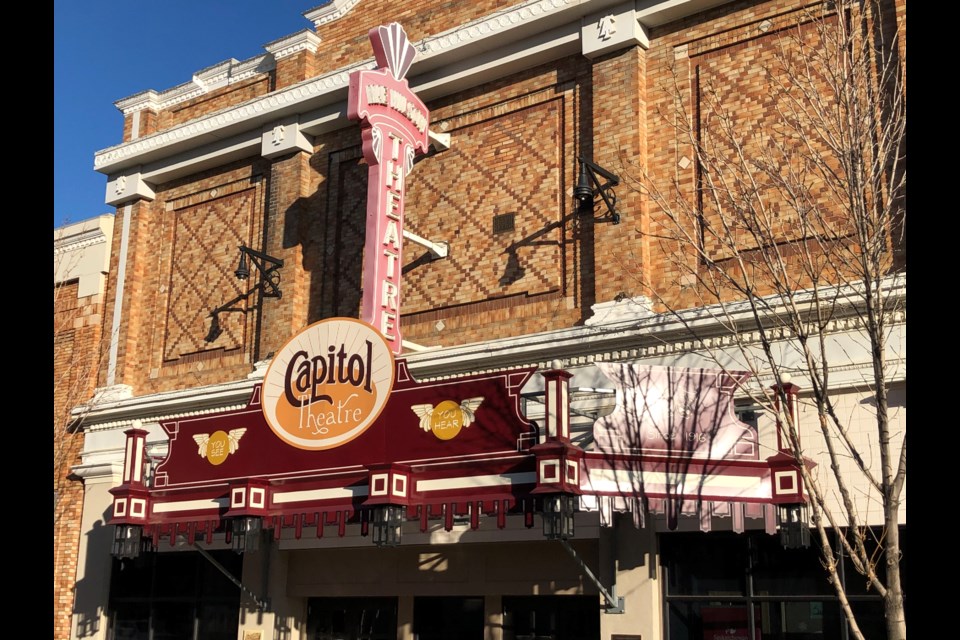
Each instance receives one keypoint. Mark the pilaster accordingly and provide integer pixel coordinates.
(288, 190)
(92, 589)
(619, 146)
(629, 561)
(295, 57)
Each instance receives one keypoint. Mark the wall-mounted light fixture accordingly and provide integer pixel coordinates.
(387, 524)
(558, 510)
(794, 525)
(128, 541)
(589, 185)
(246, 534)
(268, 285)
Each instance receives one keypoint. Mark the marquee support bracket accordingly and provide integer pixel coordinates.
(436, 249)
(261, 603)
(614, 604)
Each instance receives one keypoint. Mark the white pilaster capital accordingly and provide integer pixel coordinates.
(330, 11)
(100, 472)
(283, 137)
(305, 40)
(439, 141)
(126, 187)
(612, 29)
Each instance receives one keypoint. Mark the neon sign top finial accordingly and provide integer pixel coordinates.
(392, 49)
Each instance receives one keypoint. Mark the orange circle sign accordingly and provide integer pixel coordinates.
(217, 448)
(447, 420)
(328, 384)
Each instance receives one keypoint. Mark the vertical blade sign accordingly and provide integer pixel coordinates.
(394, 127)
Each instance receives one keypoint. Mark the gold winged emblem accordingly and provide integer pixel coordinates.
(216, 447)
(447, 418)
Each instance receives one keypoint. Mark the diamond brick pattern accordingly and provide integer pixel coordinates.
(205, 256)
(732, 81)
(503, 165)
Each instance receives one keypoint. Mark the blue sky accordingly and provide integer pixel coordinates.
(105, 50)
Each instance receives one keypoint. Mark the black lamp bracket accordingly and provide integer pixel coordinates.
(267, 266)
(590, 173)
(268, 284)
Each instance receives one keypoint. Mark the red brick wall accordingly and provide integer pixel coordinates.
(76, 350)
(212, 102)
(182, 254)
(514, 148)
(720, 72)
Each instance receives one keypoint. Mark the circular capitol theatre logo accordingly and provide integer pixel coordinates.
(328, 384)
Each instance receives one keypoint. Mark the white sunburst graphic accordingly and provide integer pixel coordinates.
(392, 49)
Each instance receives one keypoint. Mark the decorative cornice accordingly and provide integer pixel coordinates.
(332, 10)
(487, 26)
(305, 40)
(337, 80)
(99, 470)
(148, 99)
(645, 335)
(204, 81)
(166, 405)
(312, 88)
(126, 423)
(78, 235)
(79, 241)
(232, 71)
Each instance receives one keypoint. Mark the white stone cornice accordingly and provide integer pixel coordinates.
(305, 40)
(82, 234)
(148, 99)
(208, 79)
(123, 412)
(504, 42)
(75, 244)
(214, 75)
(523, 13)
(181, 93)
(191, 134)
(105, 470)
(157, 418)
(332, 10)
(624, 336)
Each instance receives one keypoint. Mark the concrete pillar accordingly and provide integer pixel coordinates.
(629, 558)
(493, 617)
(265, 575)
(94, 563)
(405, 618)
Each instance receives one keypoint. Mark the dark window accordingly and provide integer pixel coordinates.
(747, 586)
(706, 565)
(174, 596)
(441, 618)
(779, 571)
(352, 619)
(551, 618)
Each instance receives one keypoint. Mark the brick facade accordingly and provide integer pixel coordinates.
(514, 150)
(77, 351)
(522, 259)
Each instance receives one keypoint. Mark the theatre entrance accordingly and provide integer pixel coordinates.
(459, 617)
